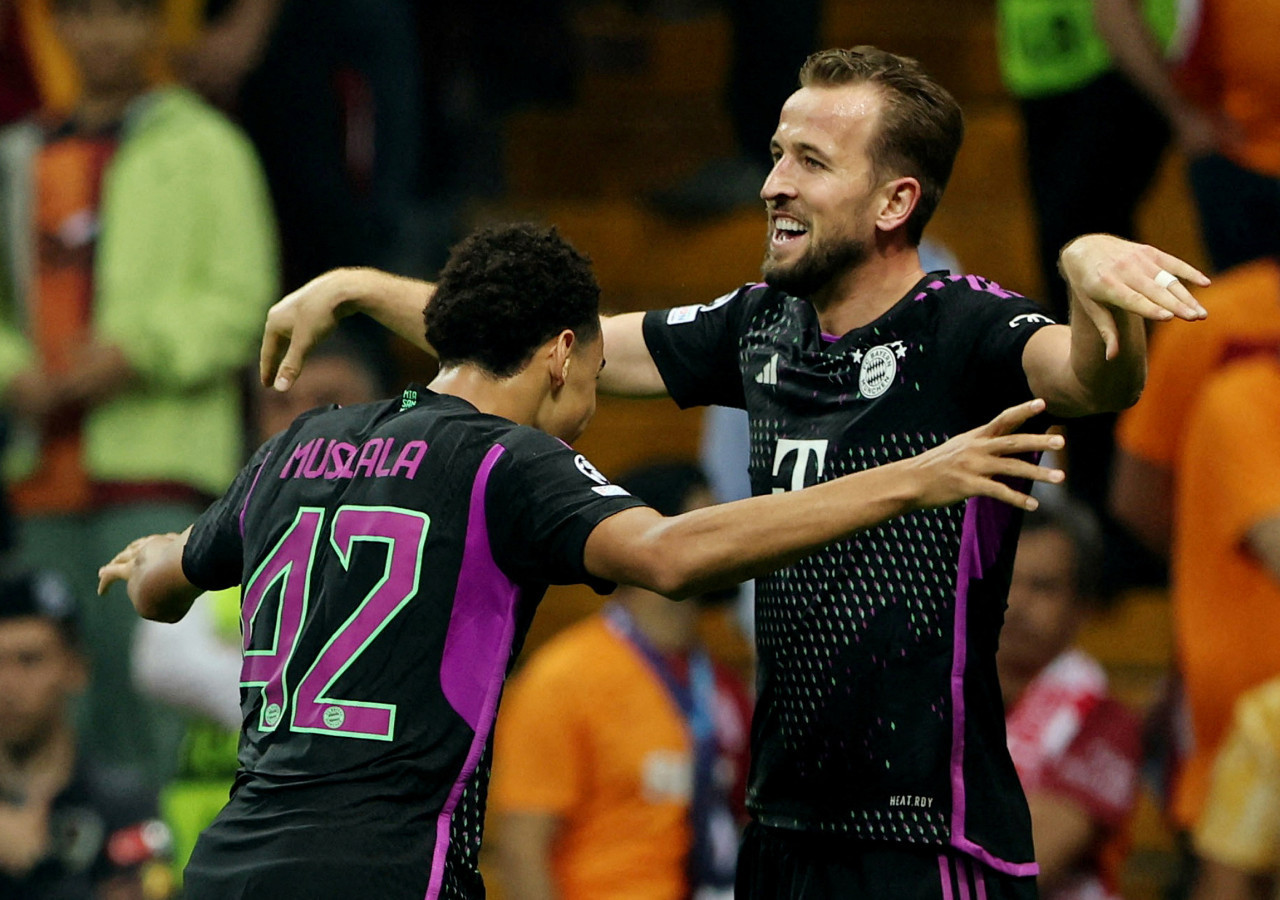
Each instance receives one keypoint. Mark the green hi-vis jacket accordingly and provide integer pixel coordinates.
(1051, 46)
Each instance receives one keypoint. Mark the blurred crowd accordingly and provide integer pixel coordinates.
(169, 168)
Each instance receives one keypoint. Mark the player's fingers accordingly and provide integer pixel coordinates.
(1013, 417)
(1184, 296)
(110, 574)
(1014, 444)
(291, 364)
(1010, 467)
(1102, 320)
(1005, 494)
(1163, 291)
(273, 348)
(1179, 268)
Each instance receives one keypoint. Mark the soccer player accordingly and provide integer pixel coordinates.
(879, 765)
(392, 555)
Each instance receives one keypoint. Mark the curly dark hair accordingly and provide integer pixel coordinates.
(505, 291)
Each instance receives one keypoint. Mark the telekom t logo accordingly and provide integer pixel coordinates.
(803, 450)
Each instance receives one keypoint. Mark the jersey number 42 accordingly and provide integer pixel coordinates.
(283, 581)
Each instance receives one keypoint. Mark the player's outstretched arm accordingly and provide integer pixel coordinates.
(308, 315)
(151, 568)
(726, 544)
(1099, 362)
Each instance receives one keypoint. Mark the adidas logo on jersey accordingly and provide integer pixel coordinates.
(769, 374)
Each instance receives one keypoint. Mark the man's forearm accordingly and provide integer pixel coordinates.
(395, 302)
(1108, 385)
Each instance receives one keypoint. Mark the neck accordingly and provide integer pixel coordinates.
(509, 398)
(867, 291)
(42, 768)
(102, 109)
(669, 626)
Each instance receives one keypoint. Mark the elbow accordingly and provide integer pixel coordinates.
(667, 567)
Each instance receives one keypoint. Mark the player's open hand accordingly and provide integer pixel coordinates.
(129, 560)
(979, 463)
(296, 324)
(1108, 274)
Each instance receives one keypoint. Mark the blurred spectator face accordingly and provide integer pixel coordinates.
(1044, 604)
(39, 673)
(325, 380)
(111, 41)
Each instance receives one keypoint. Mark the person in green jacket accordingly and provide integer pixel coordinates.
(137, 254)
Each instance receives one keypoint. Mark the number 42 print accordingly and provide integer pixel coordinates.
(283, 581)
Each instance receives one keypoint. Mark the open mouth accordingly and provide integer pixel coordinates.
(787, 230)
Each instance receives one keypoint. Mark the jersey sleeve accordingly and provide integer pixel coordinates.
(985, 328)
(214, 556)
(696, 349)
(543, 501)
(1099, 769)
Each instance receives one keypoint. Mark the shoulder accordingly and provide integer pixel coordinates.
(748, 295)
(977, 291)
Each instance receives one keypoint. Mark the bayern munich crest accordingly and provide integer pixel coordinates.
(879, 368)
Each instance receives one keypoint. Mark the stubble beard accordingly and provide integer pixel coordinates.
(820, 265)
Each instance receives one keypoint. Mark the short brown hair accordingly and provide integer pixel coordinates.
(921, 124)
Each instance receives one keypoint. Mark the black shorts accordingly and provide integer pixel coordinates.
(778, 864)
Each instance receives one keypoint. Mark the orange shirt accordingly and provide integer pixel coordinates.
(1244, 320)
(589, 733)
(1226, 604)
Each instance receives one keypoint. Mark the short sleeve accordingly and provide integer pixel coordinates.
(696, 349)
(214, 556)
(1099, 769)
(986, 328)
(538, 763)
(543, 501)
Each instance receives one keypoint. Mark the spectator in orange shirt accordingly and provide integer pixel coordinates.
(621, 755)
(1245, 321)
(1226, 601)
(1077, 750)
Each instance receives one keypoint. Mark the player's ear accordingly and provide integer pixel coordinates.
(898, 200)
(559, 356)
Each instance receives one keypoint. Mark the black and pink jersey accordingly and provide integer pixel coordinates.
(392, 556)
(879, 713)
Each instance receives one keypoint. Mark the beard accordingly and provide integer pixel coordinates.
(820, 265)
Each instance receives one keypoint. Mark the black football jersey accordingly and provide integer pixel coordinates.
(879, 714)
(392, 556)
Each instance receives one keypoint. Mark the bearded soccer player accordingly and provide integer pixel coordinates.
(392, 555)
